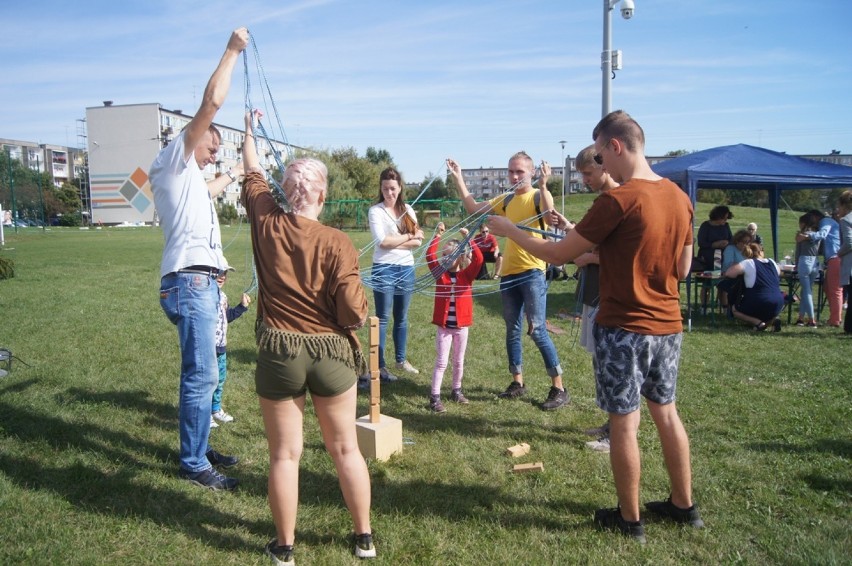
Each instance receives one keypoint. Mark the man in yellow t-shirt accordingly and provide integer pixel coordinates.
(523, 287)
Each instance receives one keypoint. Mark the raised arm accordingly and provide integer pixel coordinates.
(217, 185)
(467, 199)
(563, 251)
(250, 161)
(215, 91)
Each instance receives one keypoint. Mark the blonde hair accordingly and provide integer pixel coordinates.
(753, 251)
(305, 182)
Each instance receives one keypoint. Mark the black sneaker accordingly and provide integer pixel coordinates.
(515, 389)
(281, 555)
(776, 325)
(364, 546)
(435, 404)
(668, 509)
(458, 397)
(612, 520)
(364, 382)
(221, 460)
(386, 376)
(555, 399)
(211, 479)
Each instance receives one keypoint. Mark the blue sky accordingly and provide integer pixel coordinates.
(469, 79)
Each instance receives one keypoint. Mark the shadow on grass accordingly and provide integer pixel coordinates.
(122, 496)
(161, 414)
(836, 446)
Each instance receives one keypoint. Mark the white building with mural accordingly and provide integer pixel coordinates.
(123, 141)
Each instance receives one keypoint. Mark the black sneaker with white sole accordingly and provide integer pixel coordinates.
(281, 555)
(364, 547)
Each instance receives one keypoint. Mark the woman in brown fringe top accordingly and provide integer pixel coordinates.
(310, 301)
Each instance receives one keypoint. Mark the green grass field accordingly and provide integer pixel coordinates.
(88, 436)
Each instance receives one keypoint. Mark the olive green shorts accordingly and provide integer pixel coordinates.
(280, 377)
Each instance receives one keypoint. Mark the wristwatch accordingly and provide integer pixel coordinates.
(231, 175)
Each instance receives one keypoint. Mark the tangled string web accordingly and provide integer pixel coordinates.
(424, 281)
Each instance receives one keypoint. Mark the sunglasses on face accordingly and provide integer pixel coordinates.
(597, 157)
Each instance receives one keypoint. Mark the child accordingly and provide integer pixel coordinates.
(226, 316)
(453, 312)
(807, 266)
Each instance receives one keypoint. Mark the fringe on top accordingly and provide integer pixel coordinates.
(344, 349)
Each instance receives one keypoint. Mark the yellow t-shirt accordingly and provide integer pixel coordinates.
(521, 211)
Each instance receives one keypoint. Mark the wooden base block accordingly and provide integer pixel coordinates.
(518, 450)
(379, 440)
(524, 468)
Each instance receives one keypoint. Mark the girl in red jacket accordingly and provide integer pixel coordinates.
(453, 312)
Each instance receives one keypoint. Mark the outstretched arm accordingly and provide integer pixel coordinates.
(250, 161)
(563, 251)
(215, 92)
(467, 199)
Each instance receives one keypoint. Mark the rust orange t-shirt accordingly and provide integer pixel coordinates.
(641, 228)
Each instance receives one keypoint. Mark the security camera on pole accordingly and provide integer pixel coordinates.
(610, 61)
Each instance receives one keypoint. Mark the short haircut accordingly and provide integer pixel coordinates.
(524, 156)
(620, 125)
(845, 199)
(215, 132)
(586, 158)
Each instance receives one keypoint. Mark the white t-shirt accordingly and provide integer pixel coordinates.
(383, 223)
(186, 210)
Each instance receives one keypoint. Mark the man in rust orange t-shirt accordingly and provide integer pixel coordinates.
(643, 230)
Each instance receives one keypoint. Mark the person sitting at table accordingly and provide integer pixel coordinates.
(713, 235)
(762, 300)
(755, 237)
(807, 267)
(730, 290)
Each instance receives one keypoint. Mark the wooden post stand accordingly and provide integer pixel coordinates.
(379, 436)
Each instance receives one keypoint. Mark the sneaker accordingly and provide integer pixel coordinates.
(222, 416)
(599, 445)
(812, 324)
(555, 399)
(405, 366)
(515, 389)
(213, 423)
(612, 520)
(364, 382)
(435, 404)
(364, 546)
(602, 430)
(668, 509)
(458, 397)
(281, 555)
(800, 322)
(210, 478)
(221, 460)
(386, 376)
(776, 325)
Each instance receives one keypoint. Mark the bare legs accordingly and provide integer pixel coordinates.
(283, 423)
(625, 459)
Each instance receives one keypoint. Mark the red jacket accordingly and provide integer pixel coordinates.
(444, 288)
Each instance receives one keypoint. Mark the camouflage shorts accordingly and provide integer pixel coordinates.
(630, 364)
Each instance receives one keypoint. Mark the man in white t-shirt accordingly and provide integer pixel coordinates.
(192, 259)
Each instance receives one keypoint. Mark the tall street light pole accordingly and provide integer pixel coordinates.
(562, 143)
(607, 66)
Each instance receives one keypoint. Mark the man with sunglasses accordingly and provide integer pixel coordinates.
(192, 260)
(643, 230)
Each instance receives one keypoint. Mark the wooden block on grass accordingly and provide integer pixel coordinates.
(379, 440)
(518, 450)
(524, 468)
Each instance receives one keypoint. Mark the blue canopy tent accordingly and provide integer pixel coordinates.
(746, 167)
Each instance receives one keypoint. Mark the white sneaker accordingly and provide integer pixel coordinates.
(599, 445)
(213, 424)
(222, 416)
(405, 366)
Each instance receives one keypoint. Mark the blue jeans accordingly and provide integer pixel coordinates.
(808, 272)
(392, 288)
(191, 302)
(521, 292)
(222, 362)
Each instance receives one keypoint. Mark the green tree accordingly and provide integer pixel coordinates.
(379, 156)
